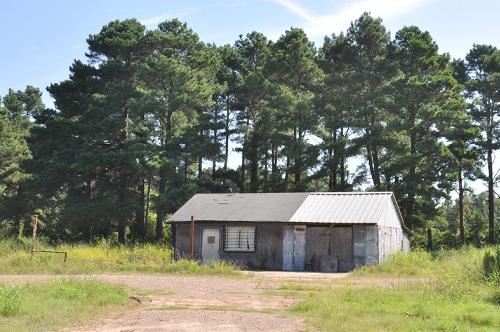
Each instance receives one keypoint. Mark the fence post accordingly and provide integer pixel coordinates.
(34, 219)
(429, 239)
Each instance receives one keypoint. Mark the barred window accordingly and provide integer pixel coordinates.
(238, 238)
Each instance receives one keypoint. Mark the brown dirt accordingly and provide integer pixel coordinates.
(196, 303)
(209, 303)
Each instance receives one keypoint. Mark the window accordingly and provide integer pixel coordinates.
(238, 238)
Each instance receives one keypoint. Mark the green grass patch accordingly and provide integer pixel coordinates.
(54, 304)
(452, 295)
(10, 300)
(15, 258)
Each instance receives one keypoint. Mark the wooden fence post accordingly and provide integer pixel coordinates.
(34, 219)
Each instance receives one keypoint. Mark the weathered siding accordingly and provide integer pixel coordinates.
(351, 246)
(268, 245)
(365, 245)
(392, 240)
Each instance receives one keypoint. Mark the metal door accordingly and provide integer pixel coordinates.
(299, 247)
(294, 247)
(287, 248)
(210, 245)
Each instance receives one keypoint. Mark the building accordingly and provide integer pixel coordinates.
(330, 232)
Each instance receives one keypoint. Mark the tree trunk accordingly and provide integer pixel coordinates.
(162, 183)
(226, 134)
(370, 162)
(139, 213)
(376, 168)
(160, 211)
(461, 206)
(297, 163)
(491, 197)
(266, 161)
(122, 196)
(200, 160)
(254, 186)
(148, 196)
(123, 182)
(342, 161)
(214, 161)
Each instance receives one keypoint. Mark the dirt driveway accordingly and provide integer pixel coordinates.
(200, 303)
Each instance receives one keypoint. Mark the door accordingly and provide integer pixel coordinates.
(299, 247)
(294, 247)
(210, 245)
(287, 248)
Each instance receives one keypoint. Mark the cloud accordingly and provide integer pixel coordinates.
(155, 20)
(320, 25)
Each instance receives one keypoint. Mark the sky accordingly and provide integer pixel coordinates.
(40, 39)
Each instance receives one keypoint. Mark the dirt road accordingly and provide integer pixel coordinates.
(199, 303)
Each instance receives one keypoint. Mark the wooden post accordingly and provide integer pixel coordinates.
(430, 246)
(191, 239)
(34, 219)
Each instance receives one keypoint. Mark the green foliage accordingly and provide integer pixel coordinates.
(55, 304)
(491, 266)
(447, 292)
(137, 122)
(10, 300)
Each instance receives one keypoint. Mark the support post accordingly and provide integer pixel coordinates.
(191, 239)
(430, 246)
(34, 219)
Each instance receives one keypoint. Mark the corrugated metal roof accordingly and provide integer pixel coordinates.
(343, 208)
(251, 207)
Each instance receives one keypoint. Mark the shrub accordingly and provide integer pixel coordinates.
(10, 300)
(491, 266)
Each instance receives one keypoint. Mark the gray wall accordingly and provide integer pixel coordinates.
(392, 240)
(351, 245)
(268, 253)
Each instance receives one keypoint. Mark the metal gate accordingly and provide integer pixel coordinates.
(294, 247)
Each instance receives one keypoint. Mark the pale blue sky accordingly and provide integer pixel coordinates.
(40, 39)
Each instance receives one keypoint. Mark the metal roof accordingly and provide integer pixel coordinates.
(317, 208)
(251, 207)
(343, 208)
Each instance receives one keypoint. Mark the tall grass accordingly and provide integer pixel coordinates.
(15, 257)
(449, 294)
(49, 305)
(10, 300)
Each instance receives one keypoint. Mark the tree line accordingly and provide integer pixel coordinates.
(152, 117)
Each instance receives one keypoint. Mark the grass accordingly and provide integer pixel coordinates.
(15, 258)
(452, 294)
(51, 305)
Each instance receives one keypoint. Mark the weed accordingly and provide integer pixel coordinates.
(102, 257)
(10, 300)
(57, 303)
